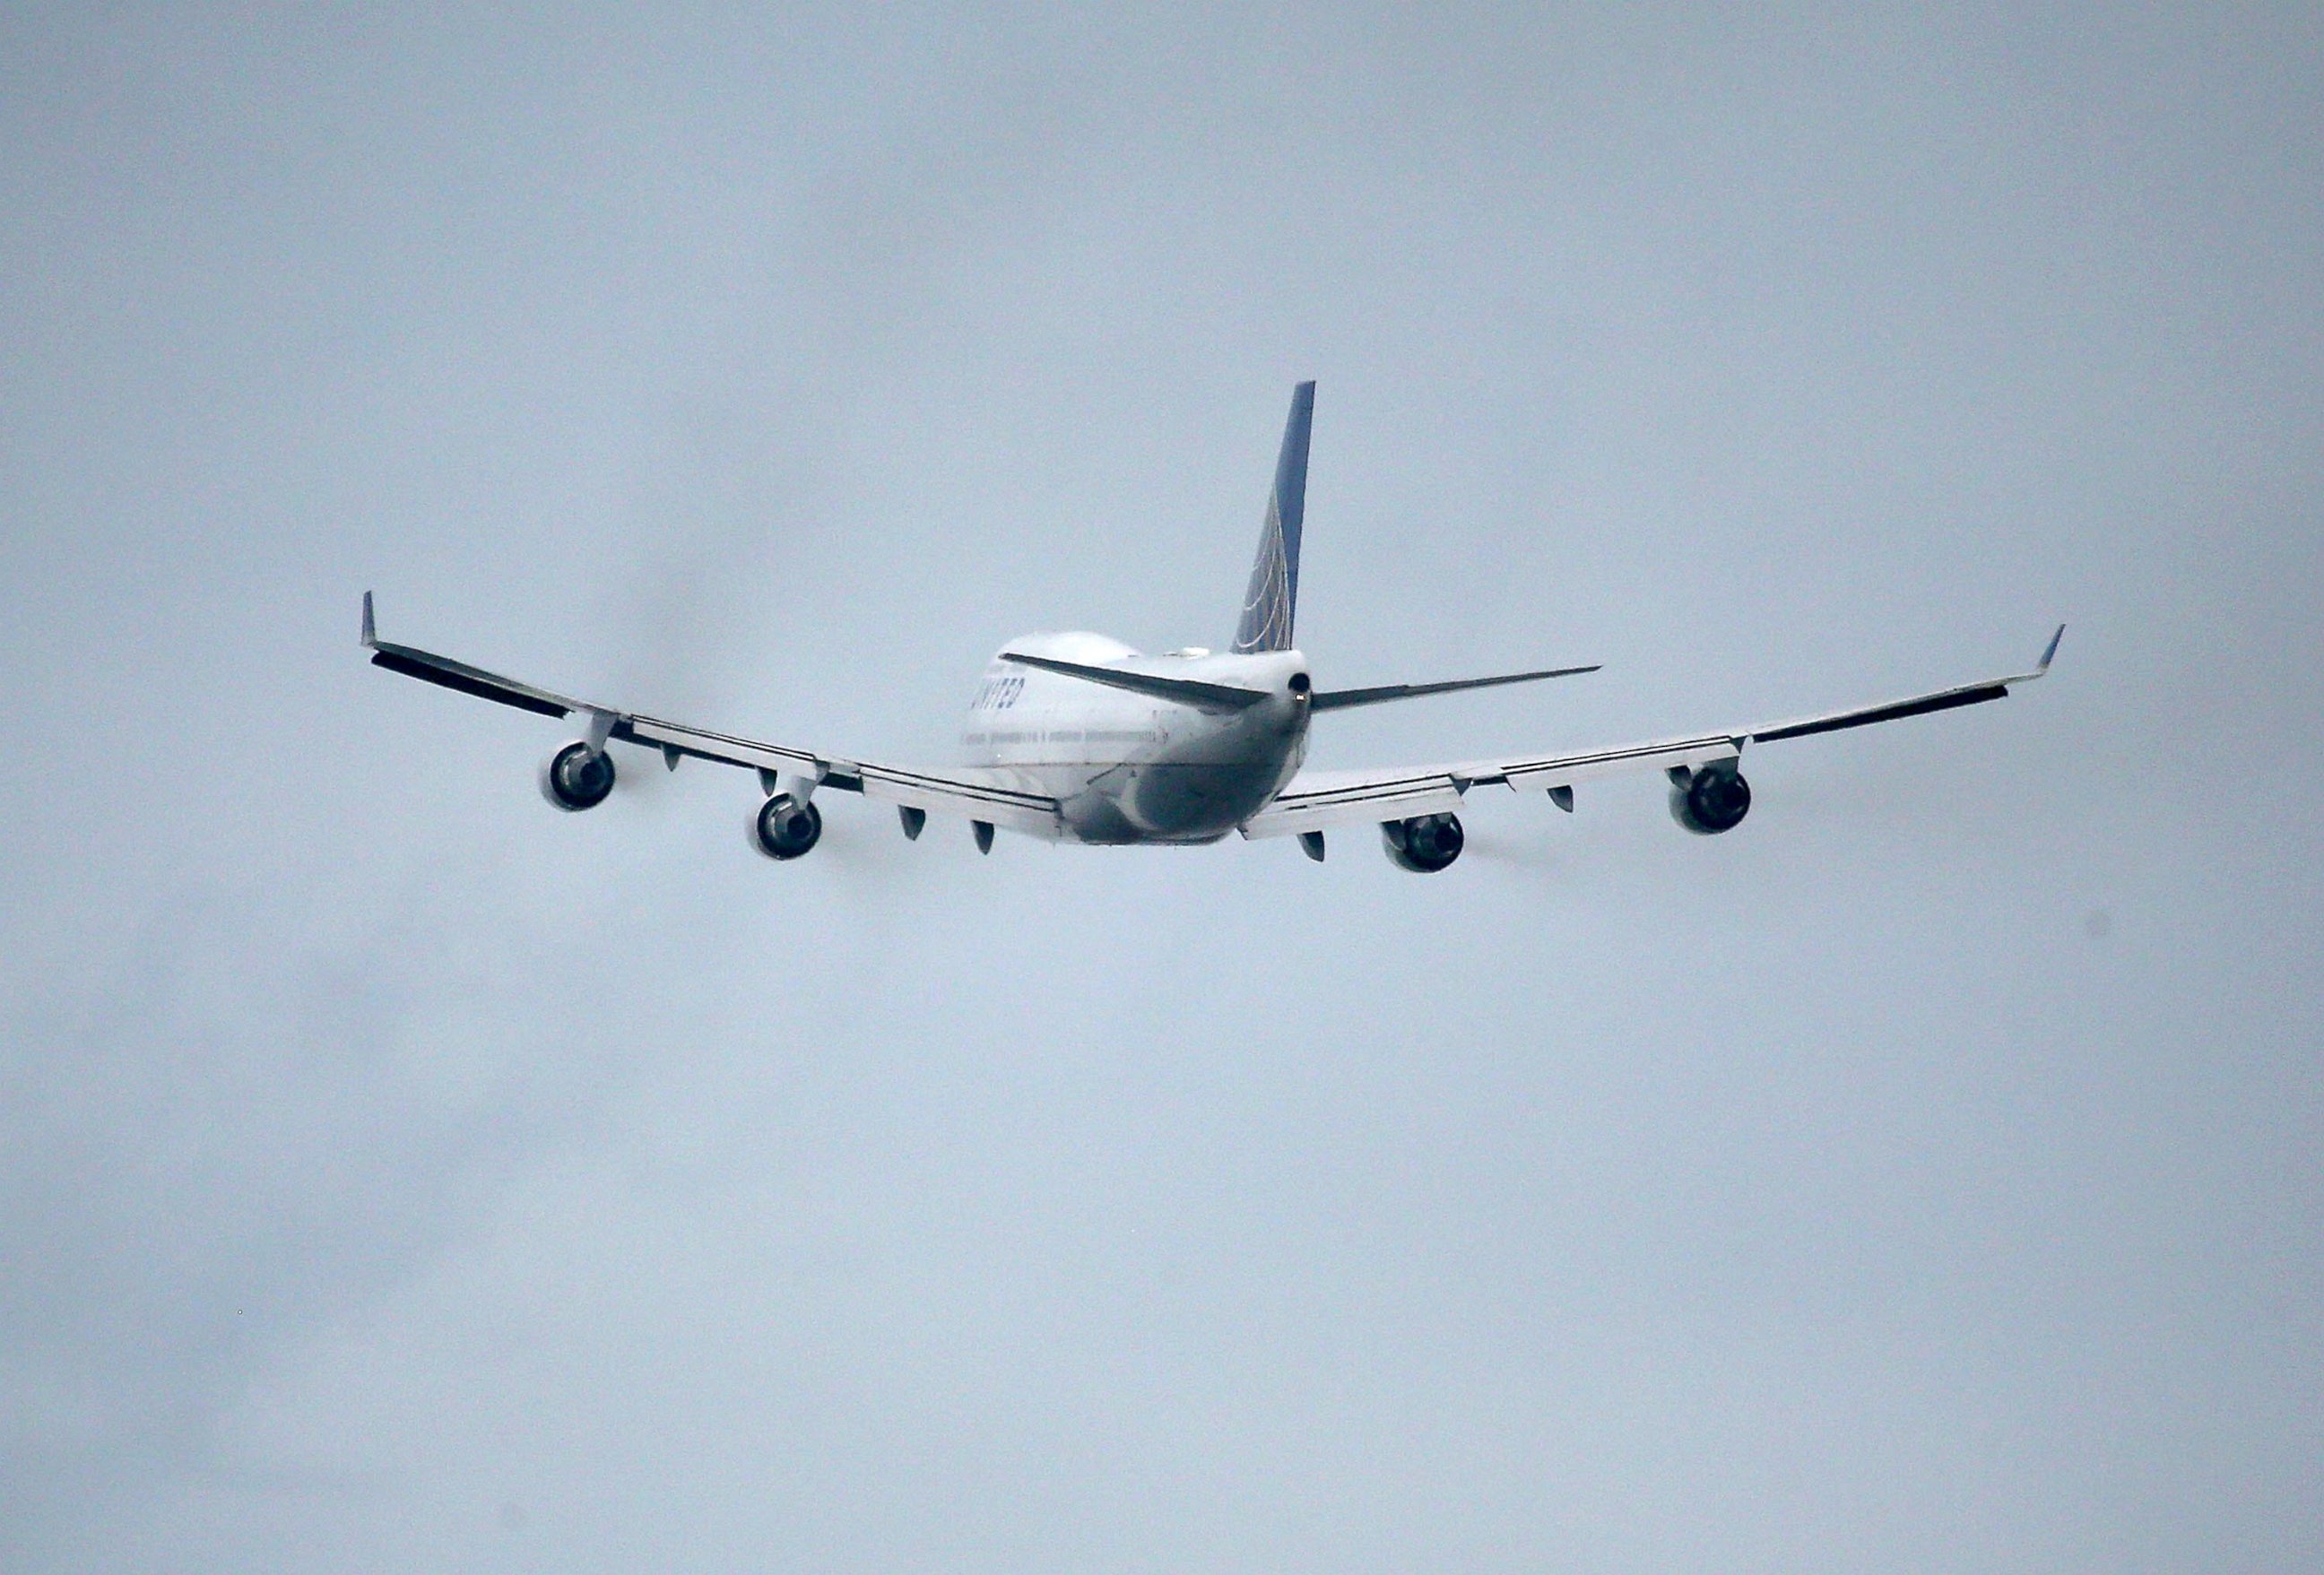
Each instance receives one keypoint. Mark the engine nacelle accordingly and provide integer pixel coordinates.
(1424, 845)
(1709, 801)
(784, 828)
(578, 778)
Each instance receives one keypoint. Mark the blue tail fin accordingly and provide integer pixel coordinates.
(1269, 604)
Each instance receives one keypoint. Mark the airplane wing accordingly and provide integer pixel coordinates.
(962, 791)
(1315, 800)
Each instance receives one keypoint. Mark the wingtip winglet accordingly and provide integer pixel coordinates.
(370, 629)
(2050, 651)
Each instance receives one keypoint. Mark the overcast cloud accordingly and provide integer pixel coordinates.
(397, 1175)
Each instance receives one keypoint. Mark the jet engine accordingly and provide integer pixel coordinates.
(1709, 801)
(784, 828)
(1424, 845)
(578, 778)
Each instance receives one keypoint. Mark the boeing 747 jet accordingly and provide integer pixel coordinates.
(1077, 738)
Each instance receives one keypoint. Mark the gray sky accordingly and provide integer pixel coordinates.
(395, 1173)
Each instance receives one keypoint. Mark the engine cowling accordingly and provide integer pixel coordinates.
(578, 778)
(1424, 845)
(1710, 801)
(784, 828)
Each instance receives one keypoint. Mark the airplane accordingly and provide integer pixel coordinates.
(1077, 738)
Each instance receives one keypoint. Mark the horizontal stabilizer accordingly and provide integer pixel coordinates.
(1339, 699)
(1186, 691)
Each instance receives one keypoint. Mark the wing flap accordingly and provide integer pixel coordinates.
(968, 793)
(1319, 800)
(964, 792)
(724, 748)
(1014, 809)
(1316, 801)
(1543, 772)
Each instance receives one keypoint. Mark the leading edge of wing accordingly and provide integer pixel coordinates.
(1315, 801)
(963, 792)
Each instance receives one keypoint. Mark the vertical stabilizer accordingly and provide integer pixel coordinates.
(1274, 594)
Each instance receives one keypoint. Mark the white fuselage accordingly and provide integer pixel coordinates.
(1131, 768)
